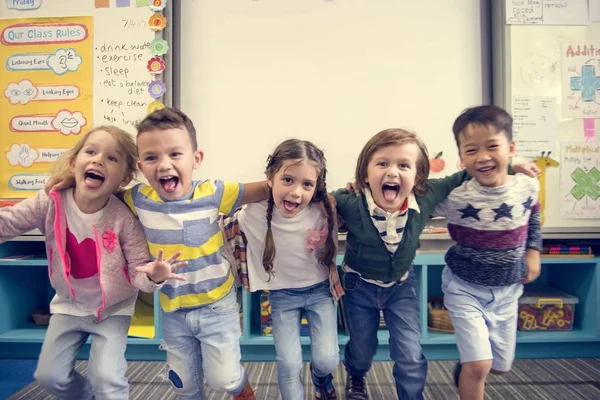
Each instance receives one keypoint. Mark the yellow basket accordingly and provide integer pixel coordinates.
(438, 320)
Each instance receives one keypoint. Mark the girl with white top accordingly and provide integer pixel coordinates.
(289, 244)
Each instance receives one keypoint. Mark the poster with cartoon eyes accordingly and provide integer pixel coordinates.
(67, 66)
(46, 83)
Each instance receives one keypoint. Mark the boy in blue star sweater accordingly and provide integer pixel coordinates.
(495, 221)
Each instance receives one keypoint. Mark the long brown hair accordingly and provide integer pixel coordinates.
(394, 137)
(294, 149)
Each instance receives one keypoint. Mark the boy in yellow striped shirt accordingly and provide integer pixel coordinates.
(200, 316)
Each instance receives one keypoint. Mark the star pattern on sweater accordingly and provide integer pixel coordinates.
(527, 205)
(470, 211)
(504, 211)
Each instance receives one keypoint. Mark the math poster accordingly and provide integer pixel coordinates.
(46, 106)
(580, 181)
(580, 63)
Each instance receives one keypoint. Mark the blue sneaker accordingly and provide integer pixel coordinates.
(324, 389)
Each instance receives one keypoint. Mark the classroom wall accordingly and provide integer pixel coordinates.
(253, 73)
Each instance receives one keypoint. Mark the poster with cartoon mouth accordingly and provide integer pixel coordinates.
(46, 101)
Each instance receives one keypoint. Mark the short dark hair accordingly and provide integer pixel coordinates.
(488, 115)
(168, 118)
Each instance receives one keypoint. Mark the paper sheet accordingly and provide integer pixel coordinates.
(547, 12)
(534, 124)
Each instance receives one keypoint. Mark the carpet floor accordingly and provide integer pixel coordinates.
(541, 379)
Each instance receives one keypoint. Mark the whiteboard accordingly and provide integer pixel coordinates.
(253, 73)
(119, 80)
(527, 61)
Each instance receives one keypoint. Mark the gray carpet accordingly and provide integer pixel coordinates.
(559, 379)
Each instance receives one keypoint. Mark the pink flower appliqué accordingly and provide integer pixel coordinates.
(109, 240)
(315, 239)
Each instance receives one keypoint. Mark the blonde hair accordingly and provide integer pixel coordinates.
(125, 141)
(394, 137)
(294, 149)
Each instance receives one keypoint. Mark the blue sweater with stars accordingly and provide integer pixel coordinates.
(492, 228)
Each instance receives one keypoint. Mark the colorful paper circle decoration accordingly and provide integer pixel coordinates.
(159, 47)
(157, 22)
(155, 105)
(155, 65)
(157, 89)
(157, 5)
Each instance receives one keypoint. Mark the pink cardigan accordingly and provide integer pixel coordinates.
(120, 245)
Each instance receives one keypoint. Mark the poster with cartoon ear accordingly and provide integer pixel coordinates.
(46, 102)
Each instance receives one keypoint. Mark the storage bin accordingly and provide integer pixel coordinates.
(438, 319)
(546, 309)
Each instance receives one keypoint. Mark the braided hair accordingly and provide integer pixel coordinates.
(294, 149)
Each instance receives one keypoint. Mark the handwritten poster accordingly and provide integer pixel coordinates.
(547, 12)
(46, 105)
(534, 124)
(580, 181)
(580, 63)
(121, 69)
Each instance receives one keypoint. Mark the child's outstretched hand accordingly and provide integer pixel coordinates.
(529, 169)
(59, 183)
(533, 264)
(160, 270)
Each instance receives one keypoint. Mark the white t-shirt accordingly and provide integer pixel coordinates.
(294, 265)
(83, 277)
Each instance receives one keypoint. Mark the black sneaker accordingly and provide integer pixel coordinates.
(324, 389)
(456, 373)
(356, 388)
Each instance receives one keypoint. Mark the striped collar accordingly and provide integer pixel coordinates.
(375, 210)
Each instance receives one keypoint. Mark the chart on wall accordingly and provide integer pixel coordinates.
(70, 65)
(46, 81)
(579, 180)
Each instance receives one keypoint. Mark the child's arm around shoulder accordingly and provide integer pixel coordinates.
(534, 234)
(235, 247)
(255, 191)
(24, 216)
(346, 202)
(439, 188)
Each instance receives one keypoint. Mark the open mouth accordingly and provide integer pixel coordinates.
(169, 183)
(93, 179)
(486, 170)
(290, 205)
(390, 191)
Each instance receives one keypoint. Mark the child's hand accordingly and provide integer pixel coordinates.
(159, 271)
(534, 267)
(529, 169)
(353, 187)
(59, 183)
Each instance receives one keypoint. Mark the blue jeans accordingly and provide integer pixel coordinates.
(286, 307)
(106, 367)
(400, 305)
(205, 342)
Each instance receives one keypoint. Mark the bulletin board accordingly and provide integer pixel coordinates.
(70, 65)
(547, 73)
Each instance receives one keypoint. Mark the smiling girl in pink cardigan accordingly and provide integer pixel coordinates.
(97, 260)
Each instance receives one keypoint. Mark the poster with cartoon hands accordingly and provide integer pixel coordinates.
(46, 101)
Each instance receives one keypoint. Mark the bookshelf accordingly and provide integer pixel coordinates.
(24, 287)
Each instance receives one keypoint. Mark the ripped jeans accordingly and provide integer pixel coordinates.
(205, 342)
